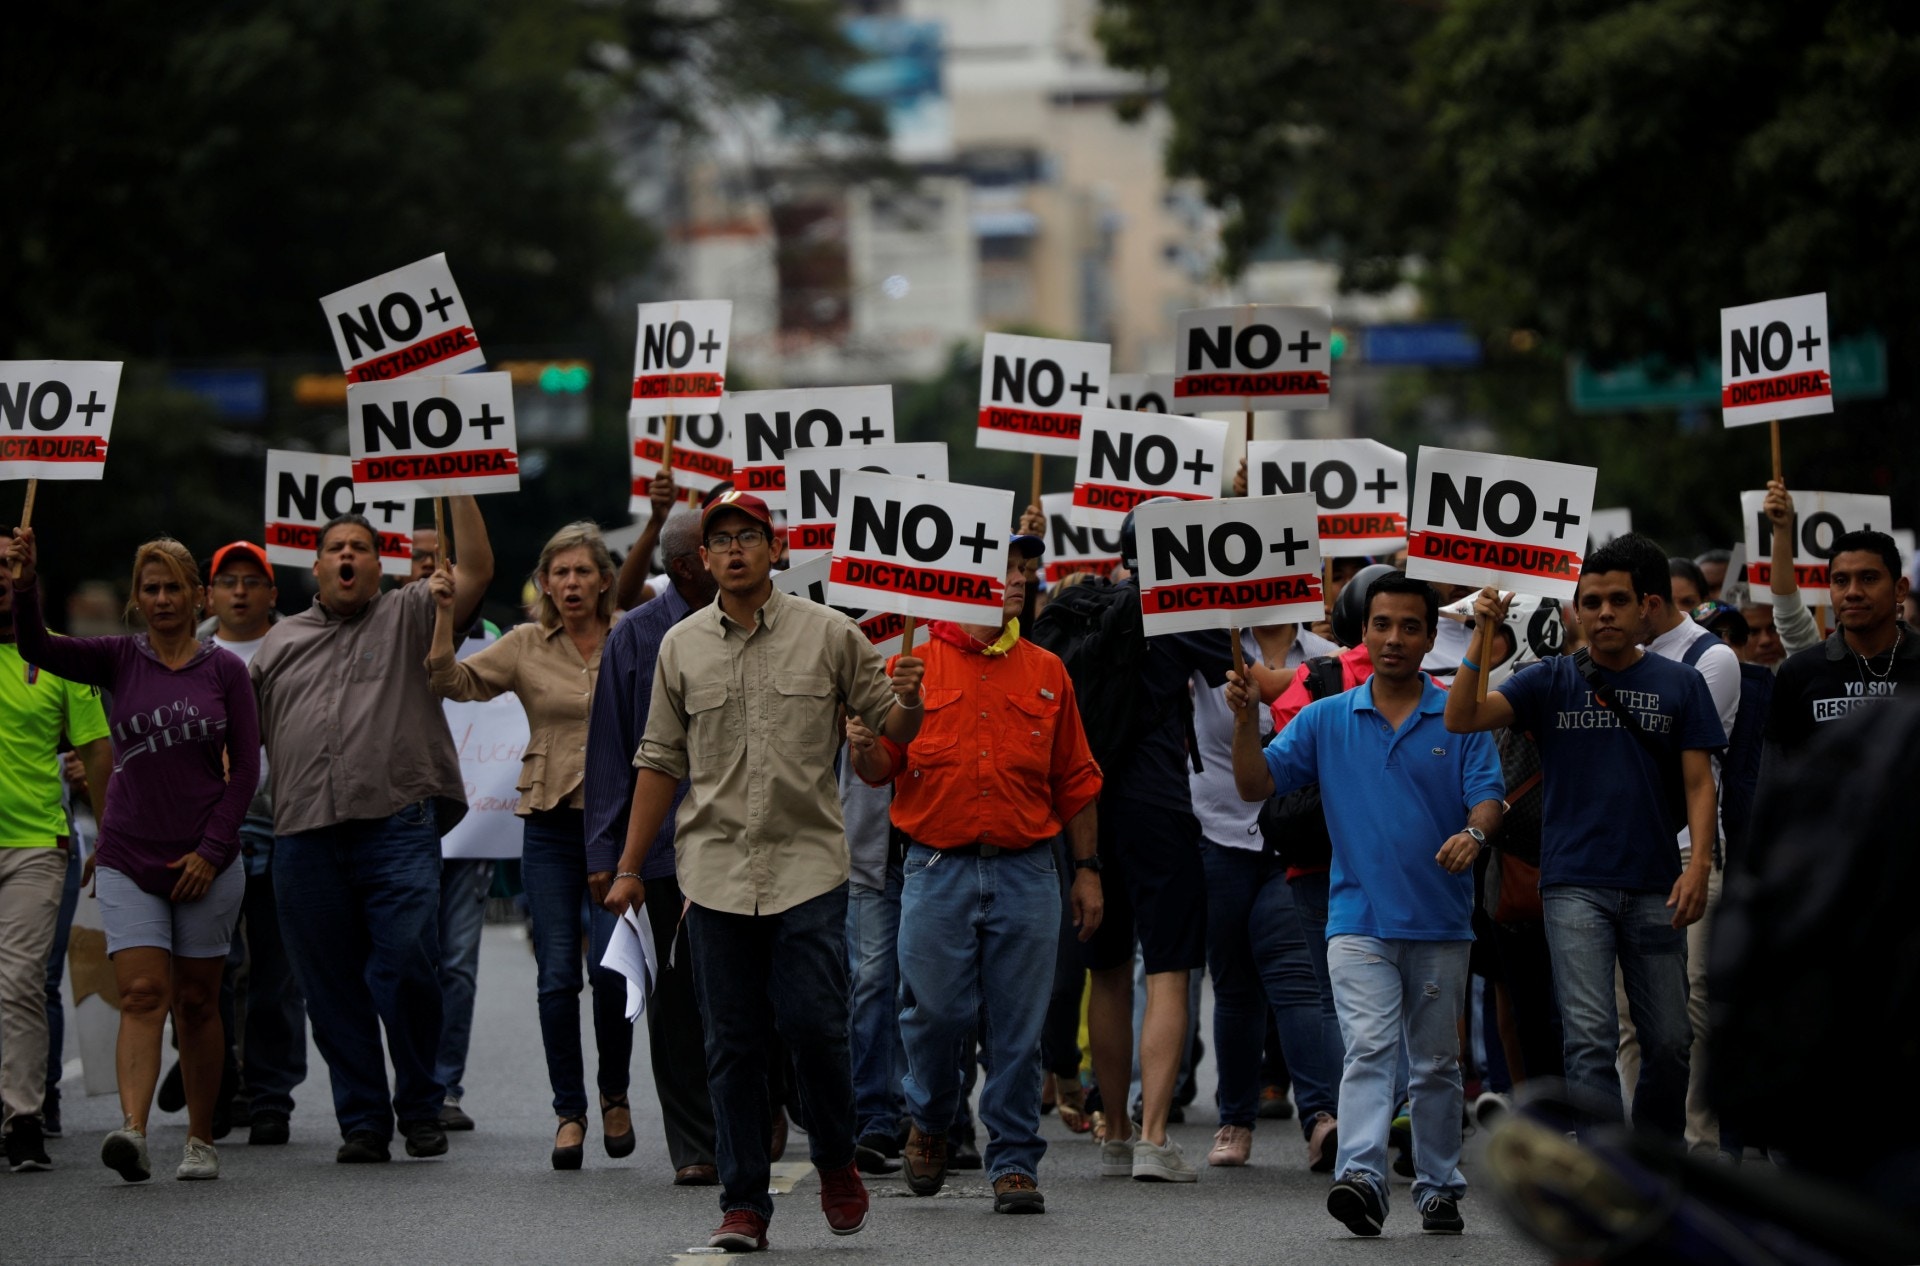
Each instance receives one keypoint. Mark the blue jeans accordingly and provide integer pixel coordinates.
(553, 866)
(1258, 957)
(57, 968)
(873, 931)
(274, 1033)
(463, 914)
(1588, 930)
(794, 965)
(1390, 994)
(978, 938)
(1310, 898)
(360, 911)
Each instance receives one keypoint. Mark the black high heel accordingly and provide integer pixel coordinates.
(570, 1157)
(617, 1145)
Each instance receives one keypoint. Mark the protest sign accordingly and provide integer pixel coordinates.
(809, 580)
(429, 436)
(764, 426)
(408, 321)
(1252, 357)
(1033, 392)
(1140, 393)
(1606, 524)
(1126, 458)
(1236, 563)
(306, 491)
(1359, 485)
(680, 356)
(700, 455)
(1484, 519)
(55, 416)
(813, 486)
(1774, 360)
(920, 547)
(1819, 518)
(1072, 547)
(490, 739)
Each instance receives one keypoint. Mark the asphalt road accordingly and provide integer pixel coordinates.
(495, 1199)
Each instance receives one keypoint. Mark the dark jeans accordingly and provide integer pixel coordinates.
(273, 1048)
(675, 1042)
(553, 867)
(793, 964)
(464, 882)
(360, 911)
(1258, 957)
(57, 967)
(1060, 1052)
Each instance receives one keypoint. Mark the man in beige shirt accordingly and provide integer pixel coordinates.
(746, 704)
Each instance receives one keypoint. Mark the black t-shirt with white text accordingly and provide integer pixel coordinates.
(1824, 683)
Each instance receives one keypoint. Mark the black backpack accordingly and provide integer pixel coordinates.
(1294, 826)
(1740, 762)
(1096, 630)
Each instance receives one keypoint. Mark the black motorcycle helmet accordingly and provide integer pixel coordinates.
(1350, 608)
(1129, 547)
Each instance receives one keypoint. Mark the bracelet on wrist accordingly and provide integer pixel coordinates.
(628, 874)
(1467, 663)
(911, 707)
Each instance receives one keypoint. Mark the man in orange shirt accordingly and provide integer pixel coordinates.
(999, 768)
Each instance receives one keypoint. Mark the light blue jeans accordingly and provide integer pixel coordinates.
(1386, 992)
(873, 931)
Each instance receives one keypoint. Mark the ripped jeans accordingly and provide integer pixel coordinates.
(1384, 991)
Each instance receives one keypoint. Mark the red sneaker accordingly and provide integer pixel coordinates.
(843, 1198)
(741, 1231)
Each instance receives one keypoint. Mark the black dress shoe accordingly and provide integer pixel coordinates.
(877, 1154)
(425, 1138)
(267, 1129)
(173, 1090)
(454, 1117)
(363, 1147)
(964, 1153)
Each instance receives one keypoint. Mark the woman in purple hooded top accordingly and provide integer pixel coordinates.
(186, 757)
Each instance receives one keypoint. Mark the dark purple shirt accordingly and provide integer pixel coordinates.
(170, 792)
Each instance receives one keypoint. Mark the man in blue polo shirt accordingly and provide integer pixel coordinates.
(1408, 808)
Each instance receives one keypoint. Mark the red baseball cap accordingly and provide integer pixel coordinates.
(248, 548)
(744, 502)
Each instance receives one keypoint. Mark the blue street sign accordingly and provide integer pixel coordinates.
(1444, 343)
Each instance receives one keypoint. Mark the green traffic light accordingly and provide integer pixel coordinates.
(568, 379)
(1339, 342)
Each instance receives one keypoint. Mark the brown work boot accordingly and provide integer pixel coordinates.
(1015, 1192)
(926, 1159)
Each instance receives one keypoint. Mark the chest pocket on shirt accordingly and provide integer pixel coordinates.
(940, 728)
(804, 711)
(1030, 727)
(713, 724)
(367, 663)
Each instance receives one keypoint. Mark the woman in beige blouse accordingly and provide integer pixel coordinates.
(552, 664)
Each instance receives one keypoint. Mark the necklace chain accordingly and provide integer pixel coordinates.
(1892, 653)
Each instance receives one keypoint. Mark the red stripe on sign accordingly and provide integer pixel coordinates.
(757, 479)
(693, 461)
(1058, 426)
(1108, 497)
(1775, 390)
(1471, 551)
(817, 536)
(53, 448)
(883, 627)
(1238, 595)
(924, 582)
(416, 356)
(661, 386)
(1068, 567)
(1292, 383)
(1805, 575)
(1358, 527)
(411, 466)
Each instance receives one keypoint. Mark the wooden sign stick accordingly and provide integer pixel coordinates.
(26, 515)
(906, 636)
(666, 447)
(1036, 480)
(1778, 469)
(440, 533)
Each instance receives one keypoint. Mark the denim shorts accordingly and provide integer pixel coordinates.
(135, 918)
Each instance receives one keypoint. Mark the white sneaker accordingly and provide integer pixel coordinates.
(199, 1161)
(1116, 1159)
(1162, 1164)
(125, 1152)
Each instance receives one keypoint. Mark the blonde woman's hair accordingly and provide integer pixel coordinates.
(584, 534)
(172, 555)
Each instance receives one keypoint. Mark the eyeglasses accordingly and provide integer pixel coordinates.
(240, 582)
(745, 539)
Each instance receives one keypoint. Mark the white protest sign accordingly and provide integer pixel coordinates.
(428, 436)
(1819, 518)
(1256, 356)
(809, 580)
(403, 322)
(490, 739)
(1774, 360)
(680, 356)
(764, 426)
(1072, 547)
(1237, 563)
(306, 491)
(1484, 519)
(1606, 524)
(1140, 393)
(701, 458)
(1126, 458)
(813, 486)
(920, 547)
(1359, 485)
(55, 416)
(1033, 392)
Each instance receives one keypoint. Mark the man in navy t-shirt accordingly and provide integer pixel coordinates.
(1610, 880)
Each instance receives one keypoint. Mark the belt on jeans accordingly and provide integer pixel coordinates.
(975, 850)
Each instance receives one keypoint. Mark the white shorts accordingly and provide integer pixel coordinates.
(134, 917)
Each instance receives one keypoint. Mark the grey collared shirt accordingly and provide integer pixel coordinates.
(750, 717)
(351, 725)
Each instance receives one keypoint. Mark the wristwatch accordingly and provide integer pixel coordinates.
(1088, 863)
(1479, 836)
